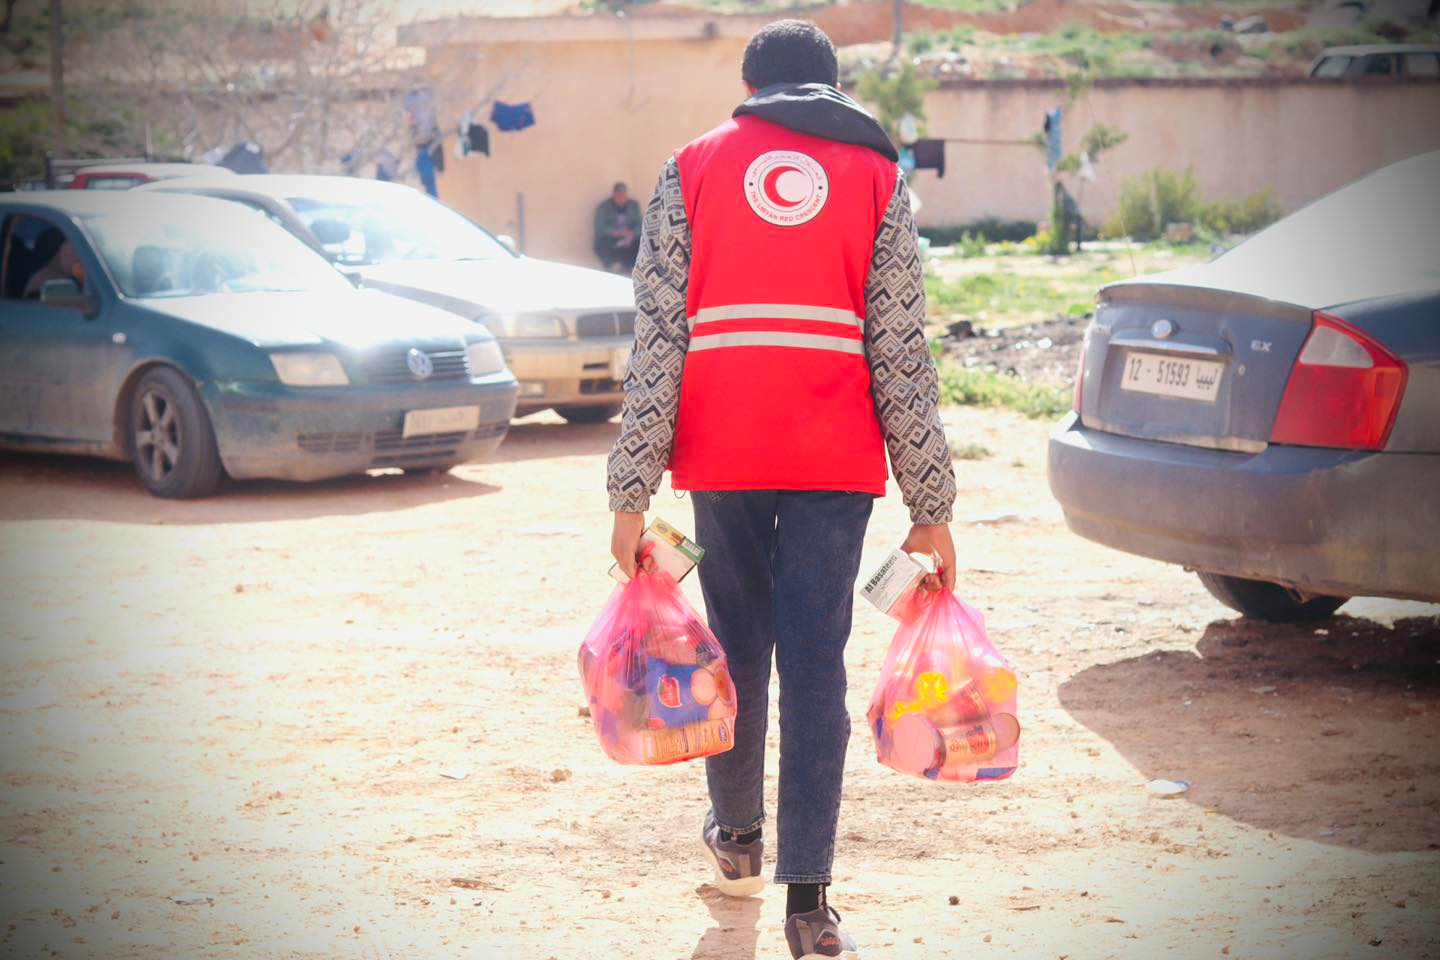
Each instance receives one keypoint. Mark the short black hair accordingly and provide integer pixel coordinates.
(789, 51)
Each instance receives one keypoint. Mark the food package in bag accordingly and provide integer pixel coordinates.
(655, 677)
(945, 705)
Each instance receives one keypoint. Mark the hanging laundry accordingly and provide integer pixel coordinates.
(425, 170)
(245, 157)
(474, 138)
(930, 155)
(512, 116)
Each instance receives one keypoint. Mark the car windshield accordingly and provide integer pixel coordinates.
(399, 225)
(173, 250)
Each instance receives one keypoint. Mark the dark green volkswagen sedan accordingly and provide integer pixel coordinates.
(194, 337)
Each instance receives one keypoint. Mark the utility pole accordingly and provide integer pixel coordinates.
(57, 80)
(897, 18)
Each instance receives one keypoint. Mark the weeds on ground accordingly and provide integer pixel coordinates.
(982, 388)
(1006, 298)
(970, 451)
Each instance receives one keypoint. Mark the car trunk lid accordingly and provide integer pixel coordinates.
(1191, 365)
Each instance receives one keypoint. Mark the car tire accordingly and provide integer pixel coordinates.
(1267, 601)
(172, 444)
(589, 414)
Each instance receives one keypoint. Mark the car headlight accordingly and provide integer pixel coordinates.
(485, 358)
(309, 369)
(525, 326)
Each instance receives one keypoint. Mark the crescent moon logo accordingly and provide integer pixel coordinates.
(786, 188)
(776, 194)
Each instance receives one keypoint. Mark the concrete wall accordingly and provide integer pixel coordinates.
(1303, 139)
(612, 100)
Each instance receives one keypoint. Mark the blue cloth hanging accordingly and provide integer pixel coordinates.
(512, 116)
(425, 168)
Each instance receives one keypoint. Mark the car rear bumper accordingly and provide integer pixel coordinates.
(289, 433)
(1333, 522)
(566, 373)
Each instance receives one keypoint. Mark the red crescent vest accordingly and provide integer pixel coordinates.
(776, 388)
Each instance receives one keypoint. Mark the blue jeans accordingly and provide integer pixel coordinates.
(779, 577)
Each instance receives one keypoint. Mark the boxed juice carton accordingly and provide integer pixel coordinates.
(892, 583)
(674, 552)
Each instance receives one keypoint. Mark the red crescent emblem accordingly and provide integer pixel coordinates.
(770, 192)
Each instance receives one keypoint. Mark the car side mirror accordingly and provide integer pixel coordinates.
(508, 242)
(67, 294)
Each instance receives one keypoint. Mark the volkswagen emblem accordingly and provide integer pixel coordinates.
(419, 363)
(1160, 329)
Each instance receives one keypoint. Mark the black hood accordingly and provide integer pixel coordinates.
(820, 110)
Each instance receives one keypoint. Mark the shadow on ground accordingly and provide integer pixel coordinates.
(543, 437)
(1323, 731)
(46, 487)
(736, 931)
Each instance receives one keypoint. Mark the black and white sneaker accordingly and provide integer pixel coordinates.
(817, 936)
(737, 865)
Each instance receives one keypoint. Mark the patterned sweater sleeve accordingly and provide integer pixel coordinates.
(902, 370)
(652, 383)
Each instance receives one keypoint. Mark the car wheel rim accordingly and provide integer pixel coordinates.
(157, 436)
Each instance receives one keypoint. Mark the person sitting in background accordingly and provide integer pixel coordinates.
(617, 230)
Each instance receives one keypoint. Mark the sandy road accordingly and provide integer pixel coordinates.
(257, 698)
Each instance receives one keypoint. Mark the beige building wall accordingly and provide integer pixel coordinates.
(1303, 139)
(605, 111)
(612, 99)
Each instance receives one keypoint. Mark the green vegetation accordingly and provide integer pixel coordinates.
(1160, 196)
(1003, 298)
(1241, 214)
(985, 389)
(989, 229)
(25, 135)
(893, 94)
(970, 451)
(1151, 200)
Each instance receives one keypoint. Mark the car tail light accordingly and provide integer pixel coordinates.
(1343, 391)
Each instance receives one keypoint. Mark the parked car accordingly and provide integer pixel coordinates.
(1271, 419)
(566, 330)
(1379, 60)
(123, 176)
(192, 336)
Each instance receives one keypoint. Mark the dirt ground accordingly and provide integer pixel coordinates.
(341, 719)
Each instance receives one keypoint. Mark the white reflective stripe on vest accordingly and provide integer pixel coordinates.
(775, 311)
(767, 338)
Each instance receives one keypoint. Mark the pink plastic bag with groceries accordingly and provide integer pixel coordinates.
(655, 677)
(945, 705)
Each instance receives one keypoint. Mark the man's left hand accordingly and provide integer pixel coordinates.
(933, 540)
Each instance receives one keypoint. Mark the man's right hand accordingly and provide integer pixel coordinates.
(625, 543)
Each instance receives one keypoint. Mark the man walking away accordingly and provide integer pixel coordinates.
(779, 351)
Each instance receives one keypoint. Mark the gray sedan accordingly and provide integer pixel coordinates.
(1271, 419)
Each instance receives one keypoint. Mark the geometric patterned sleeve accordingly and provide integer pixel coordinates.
(902, 369)
(652, 382)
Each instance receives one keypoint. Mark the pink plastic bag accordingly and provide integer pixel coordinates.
(655, 677)
(945, 705)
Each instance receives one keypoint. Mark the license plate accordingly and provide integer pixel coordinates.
(441, 420)
(1172, 376)
(619, 361)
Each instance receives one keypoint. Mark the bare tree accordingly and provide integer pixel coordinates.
(320, 85)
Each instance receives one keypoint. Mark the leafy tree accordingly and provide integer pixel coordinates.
(894, 94)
